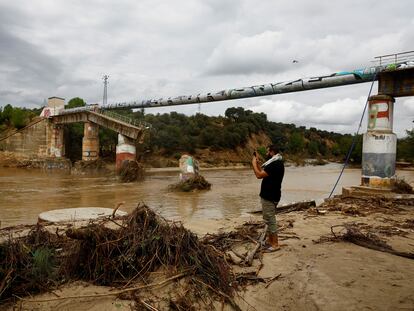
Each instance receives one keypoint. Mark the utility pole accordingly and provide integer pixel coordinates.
(105, 94)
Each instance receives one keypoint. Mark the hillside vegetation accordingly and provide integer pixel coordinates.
(232, 136)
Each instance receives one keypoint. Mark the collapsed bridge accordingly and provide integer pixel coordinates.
(394, 73)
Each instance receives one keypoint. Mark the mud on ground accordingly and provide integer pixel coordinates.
(312, 272)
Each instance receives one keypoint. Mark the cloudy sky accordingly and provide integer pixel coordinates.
(163, 48)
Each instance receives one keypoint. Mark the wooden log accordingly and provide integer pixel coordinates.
(296, 206)
(80, 234)
(249, 258)
(233, 257)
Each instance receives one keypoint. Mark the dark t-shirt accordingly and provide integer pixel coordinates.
(270, 189)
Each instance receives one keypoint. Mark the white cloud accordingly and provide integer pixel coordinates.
(243, 55)
(408, 105)
(159, 48)
(341, 115)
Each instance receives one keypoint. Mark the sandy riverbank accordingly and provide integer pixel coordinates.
(314, 275)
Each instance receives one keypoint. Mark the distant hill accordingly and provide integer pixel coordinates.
(223, 139)
(233, 137)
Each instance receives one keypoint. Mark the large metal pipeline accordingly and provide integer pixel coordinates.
(336, 79)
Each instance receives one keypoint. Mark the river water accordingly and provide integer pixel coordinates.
(26, 193)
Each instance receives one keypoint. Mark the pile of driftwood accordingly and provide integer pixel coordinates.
(124, 252)
(116, 252)
(131, 171)
(353, 233)
(197, 182)
(401, 186)
(247, 233)
(28, 264)
(362, 206)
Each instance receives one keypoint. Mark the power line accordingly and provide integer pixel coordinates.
(351, 148)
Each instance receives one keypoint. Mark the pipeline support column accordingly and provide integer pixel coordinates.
(125, 151)
(379, 145)
(90, 142)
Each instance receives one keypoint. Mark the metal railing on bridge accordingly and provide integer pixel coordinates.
(122, 118)
(394, 59)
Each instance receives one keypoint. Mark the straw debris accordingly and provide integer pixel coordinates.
(141, 243)
(353, 234)
(363, 206)
(401, 186)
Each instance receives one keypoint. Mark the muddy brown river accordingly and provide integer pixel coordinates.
(26, 193)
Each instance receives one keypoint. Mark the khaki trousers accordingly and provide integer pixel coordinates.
(269, 214)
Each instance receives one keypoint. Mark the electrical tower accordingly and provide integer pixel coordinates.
(105, 93)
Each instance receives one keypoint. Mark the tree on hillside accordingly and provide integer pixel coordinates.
(296, 143)
(15, 116)
(7, 114)
(345, 143)
(74, 132)
(405, 146)
(236, 114)
(75, 102)
(108, 140)
(18, 118)
(313, 148)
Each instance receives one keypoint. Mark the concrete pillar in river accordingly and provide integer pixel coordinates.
(125, 151)
(379, 145)
(90, 142)
(55, 141)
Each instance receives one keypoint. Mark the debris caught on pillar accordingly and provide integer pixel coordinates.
(195, 183)
(131, 171)
(401, 186)
(190, 178)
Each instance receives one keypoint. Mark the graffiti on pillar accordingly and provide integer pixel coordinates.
(378, 111)
(46, 113)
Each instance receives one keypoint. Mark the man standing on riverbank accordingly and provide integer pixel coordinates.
(271, 172)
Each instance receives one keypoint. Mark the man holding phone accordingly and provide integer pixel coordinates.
(271, 172)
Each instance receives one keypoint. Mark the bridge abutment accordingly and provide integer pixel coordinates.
(379, 145)
(125, 151)
(90, 142)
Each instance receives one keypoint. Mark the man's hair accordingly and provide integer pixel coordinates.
(273, 148)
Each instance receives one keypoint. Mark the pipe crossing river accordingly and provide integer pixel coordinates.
(336, 79)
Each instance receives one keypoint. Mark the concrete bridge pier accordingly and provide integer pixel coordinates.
(125, 151)
(379, 145)
(90, 142)
(55, 140)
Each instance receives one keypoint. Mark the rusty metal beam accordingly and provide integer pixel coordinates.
(396, 83)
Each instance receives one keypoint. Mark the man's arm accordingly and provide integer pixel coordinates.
(258, 170)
